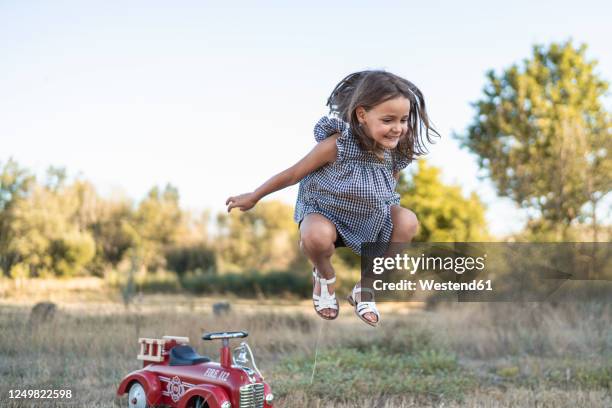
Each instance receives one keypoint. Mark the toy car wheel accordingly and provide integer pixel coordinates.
(137, 397)
(198, 402)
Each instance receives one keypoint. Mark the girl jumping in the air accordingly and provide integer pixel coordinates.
(347, 182)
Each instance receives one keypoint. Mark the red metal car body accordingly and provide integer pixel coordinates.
(175, 375)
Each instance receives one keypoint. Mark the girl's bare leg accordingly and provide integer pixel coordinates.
(405, 226)
(317, 237)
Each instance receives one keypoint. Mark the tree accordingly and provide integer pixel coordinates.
(111, 227)
(444, 214)
(64, 228)
(43, 237)
(264, 238)
(16, 184)
(159, 222)
(195, 257)
(39, 229)
(543, 135)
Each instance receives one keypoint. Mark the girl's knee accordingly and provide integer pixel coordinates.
(412, 223)
(406, 223)
(317, 239)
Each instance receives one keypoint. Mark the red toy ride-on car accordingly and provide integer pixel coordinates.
(175, 375)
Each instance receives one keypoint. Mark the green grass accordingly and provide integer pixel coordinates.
(350, 374)
(453, 357)
(570, 373)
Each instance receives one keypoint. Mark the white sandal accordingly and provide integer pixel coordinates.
(361, 308)
(325, 300)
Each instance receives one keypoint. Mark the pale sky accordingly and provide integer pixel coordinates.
(216, 99)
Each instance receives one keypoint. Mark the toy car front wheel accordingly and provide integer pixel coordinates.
(199, 402)
(137, 397)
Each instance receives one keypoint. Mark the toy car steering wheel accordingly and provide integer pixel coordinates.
(224, 335)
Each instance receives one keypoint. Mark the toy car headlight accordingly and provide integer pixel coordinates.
(240, 356)
(226, 404)
(269, 398)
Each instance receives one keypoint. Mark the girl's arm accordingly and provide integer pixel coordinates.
(323, 153)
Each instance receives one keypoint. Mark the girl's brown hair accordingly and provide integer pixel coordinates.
(371, 88)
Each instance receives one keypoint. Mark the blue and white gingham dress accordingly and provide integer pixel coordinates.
(355, 192)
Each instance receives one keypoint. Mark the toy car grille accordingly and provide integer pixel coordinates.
(252, 396)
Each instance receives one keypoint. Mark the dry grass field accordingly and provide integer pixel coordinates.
(473, 355)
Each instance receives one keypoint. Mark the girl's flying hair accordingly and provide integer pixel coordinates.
(371, 88)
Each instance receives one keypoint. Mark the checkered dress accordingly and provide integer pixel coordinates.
(355, 192)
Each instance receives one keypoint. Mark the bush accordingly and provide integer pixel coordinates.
(182, 259)
(249, 284)
(160, 281)
(72, 252)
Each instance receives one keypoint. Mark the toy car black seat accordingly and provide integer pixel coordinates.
(182, 355)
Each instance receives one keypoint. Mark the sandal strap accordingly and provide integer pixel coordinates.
(366, 290)
(326, 281)
(323, 282)
(367, 307)
(315, 273)
(325, 300)
(325, 303)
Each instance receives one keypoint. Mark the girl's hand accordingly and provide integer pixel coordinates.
(244, 202)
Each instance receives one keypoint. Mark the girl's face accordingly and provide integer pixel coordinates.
(386, 122)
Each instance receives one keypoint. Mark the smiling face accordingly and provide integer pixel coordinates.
(386, 122)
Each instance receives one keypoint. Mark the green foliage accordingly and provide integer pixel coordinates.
(195, 257)
(543, 135)
(159, 281)
(250, 284)
(350, 258)
(159, 216)
(71, 252)
(44, 235)
(19, 271)
(56, 178)
(65, 228)
(15, 185)
(157, 224)
(112, 232)
(444, 214)
(540, 230)
(264, 238)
